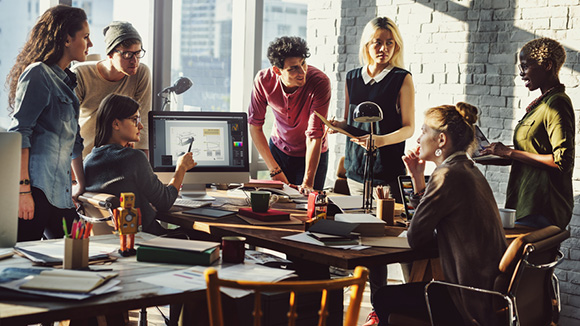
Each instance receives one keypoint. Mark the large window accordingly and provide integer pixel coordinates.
(281, 18)
(201, 51)
(16, 19)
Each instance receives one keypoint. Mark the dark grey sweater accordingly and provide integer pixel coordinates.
(114, 169)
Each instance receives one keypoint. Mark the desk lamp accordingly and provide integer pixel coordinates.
(368, 112)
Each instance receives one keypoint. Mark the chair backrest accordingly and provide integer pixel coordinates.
(527, 269)
(356, 282)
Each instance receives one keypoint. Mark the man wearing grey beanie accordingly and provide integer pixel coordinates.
(119, 73)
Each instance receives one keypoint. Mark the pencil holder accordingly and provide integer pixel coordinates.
(76, 253)
(386, 210)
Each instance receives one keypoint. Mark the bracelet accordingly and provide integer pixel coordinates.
(25, 182)
(276, 172)
(418, 195)
(25, 192)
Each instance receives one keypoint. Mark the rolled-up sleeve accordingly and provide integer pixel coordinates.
(320, 103)
(560, 127)
(32, 97)
(258, 103)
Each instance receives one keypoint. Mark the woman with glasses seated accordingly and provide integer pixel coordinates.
(540, 181)
(457, 212)
(114, 167)
(120, 73)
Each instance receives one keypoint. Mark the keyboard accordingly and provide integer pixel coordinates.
(190, 203)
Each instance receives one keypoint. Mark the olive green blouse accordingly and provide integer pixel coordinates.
(549, 128)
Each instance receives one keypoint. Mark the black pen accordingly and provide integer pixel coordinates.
(191, 143)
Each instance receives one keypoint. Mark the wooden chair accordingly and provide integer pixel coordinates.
(356, 283)
(527, 289)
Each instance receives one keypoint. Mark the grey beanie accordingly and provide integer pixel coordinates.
(118, 32)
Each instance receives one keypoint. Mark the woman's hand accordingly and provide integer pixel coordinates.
(186, 162)
(498, 149)
(414, 164)
(26, 207)
(340, 124)
(362, 141)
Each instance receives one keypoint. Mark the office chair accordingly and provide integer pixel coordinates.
(526, 292)
(356, 283)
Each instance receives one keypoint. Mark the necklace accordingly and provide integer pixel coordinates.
(539, 99)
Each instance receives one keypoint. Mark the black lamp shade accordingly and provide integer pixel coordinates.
(367, 112)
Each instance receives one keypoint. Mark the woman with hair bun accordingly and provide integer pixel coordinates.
(468, 232)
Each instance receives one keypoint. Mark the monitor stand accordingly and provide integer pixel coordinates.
(195, 192)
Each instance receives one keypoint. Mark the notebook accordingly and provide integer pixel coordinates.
(10, 154)
(406, 187)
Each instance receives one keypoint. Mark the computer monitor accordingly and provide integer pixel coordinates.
(218, 140)
(10, 155)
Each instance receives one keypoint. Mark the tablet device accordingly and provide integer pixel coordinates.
(482, 142)
(406, 187)
(209, 212)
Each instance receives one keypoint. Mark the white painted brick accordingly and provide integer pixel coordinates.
(558, 23)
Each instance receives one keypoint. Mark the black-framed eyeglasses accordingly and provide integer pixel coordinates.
(524, 67)
(128, 55)
(136, 120)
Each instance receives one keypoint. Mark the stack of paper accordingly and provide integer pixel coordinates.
(368, 225)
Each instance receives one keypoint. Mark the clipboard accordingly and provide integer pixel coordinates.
(330, 126)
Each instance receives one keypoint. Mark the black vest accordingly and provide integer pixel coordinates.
(387, 164)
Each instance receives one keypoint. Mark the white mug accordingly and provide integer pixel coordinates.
(508, 217)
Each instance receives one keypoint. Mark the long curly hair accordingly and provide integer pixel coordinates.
(46, 42)
(457, 121)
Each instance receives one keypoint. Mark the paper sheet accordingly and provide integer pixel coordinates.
(192, 278)
(305, 238)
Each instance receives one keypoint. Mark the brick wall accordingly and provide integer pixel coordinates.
(461, 51)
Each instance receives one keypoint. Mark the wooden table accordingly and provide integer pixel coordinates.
(425, 268)
(18, 309)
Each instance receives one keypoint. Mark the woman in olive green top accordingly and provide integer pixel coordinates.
(540, 183)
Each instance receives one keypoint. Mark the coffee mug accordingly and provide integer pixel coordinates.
(262, 200)
(508, 217)
(233, 249)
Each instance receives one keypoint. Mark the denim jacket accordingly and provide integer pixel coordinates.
(46, 114)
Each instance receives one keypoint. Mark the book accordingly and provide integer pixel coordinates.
(178, 251)
(334, 240)
(271, 215)
(368, 225)
(61, 280)
(255, 183)
(177, 256)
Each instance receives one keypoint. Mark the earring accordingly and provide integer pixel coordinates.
(438, 152)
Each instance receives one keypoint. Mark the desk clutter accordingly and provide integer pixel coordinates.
(58, 283)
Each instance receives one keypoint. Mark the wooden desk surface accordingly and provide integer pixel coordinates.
(270, 237)
(21, 310)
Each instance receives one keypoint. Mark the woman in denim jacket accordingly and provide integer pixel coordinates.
(45, 111)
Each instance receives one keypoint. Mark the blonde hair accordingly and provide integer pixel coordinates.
(368, 35)
(456, 121)
(545, 49)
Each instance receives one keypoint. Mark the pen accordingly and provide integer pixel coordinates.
(65, 229)
(191, 143)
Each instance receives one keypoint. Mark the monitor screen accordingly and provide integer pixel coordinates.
(10, 155)
(218, 141)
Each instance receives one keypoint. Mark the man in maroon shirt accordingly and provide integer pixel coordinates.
(297, 152)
